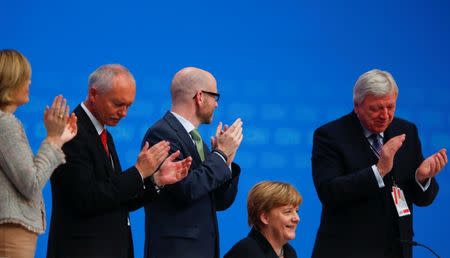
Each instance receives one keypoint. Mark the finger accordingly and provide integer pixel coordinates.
(443, 152)
(240, 139)
(73, 123)
(182, 164)
(57, 107)
(218, 129)
(174, 155)
(182, 174)
(53, 107)
(157, 156)
(186, 161)
(440, 161)
(213, 141)
(440, 158)
(145, 147)
(238, 125)
(395, 139)
(186, 164)
(238, 122)
(431, 165)
(161, 157)
(66, 114)
(46, 113)
(160, 146)
(160, 151)
(397, 143)
(233, 126)
(55, 101)
(238, 132)
(62, 107)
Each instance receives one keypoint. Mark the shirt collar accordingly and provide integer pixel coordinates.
(188, 126)
(368, 133)
(98, 126)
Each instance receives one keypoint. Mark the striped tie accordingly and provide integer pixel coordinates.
(377, 143)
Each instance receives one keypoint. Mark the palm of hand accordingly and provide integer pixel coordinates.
(168, 172)
(70, 130)
(424, 169)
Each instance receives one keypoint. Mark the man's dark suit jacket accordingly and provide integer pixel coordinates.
(359, 219)
(182, 221)
(91, 199)
(255, 245)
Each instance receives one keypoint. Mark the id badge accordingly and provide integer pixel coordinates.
(400, 202)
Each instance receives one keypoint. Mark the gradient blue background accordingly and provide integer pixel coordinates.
(285, 67)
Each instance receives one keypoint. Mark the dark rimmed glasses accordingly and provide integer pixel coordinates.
(213, 94)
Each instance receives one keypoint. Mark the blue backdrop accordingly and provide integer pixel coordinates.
(285, 67)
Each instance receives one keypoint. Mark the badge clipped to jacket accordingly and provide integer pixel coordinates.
(400, 202)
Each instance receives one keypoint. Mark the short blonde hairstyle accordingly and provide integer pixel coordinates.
(15, 72)
(268, 195)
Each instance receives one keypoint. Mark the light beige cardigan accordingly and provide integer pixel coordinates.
(23, 175)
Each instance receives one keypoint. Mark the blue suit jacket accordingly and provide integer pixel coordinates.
(359, 219)
(182, 221)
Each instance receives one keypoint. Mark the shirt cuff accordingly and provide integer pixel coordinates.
(378, 176)
(423, 187)
(142, 178)
(223, 158)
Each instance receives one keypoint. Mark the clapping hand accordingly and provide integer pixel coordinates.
(432, 165)
(60, 127)
(150, 158)
(228, 139)
(172, 171)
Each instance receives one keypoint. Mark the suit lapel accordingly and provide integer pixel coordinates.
(186, 140)
(85, 122)
(114, 156)
(360, 143)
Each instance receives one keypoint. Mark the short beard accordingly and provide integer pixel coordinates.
(205, 118)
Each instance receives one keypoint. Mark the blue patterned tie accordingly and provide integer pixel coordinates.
(377, 143)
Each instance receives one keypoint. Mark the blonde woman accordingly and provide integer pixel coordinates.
(23, 174)
(273, 215)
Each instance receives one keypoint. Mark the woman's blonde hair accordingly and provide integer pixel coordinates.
(268, 195)
(15, 72)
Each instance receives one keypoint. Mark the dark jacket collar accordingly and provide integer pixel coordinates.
(173, 122)
(267, 247)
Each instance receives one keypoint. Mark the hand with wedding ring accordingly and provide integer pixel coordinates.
(59, 125)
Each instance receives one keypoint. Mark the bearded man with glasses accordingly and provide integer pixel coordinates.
(182, 222)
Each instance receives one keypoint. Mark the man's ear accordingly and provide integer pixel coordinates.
(92, 94)
(356, 108)
(198, 97)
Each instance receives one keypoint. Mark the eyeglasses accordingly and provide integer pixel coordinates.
(213, 94)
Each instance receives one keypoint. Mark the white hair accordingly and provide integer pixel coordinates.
(104, 76)
(374, 82)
